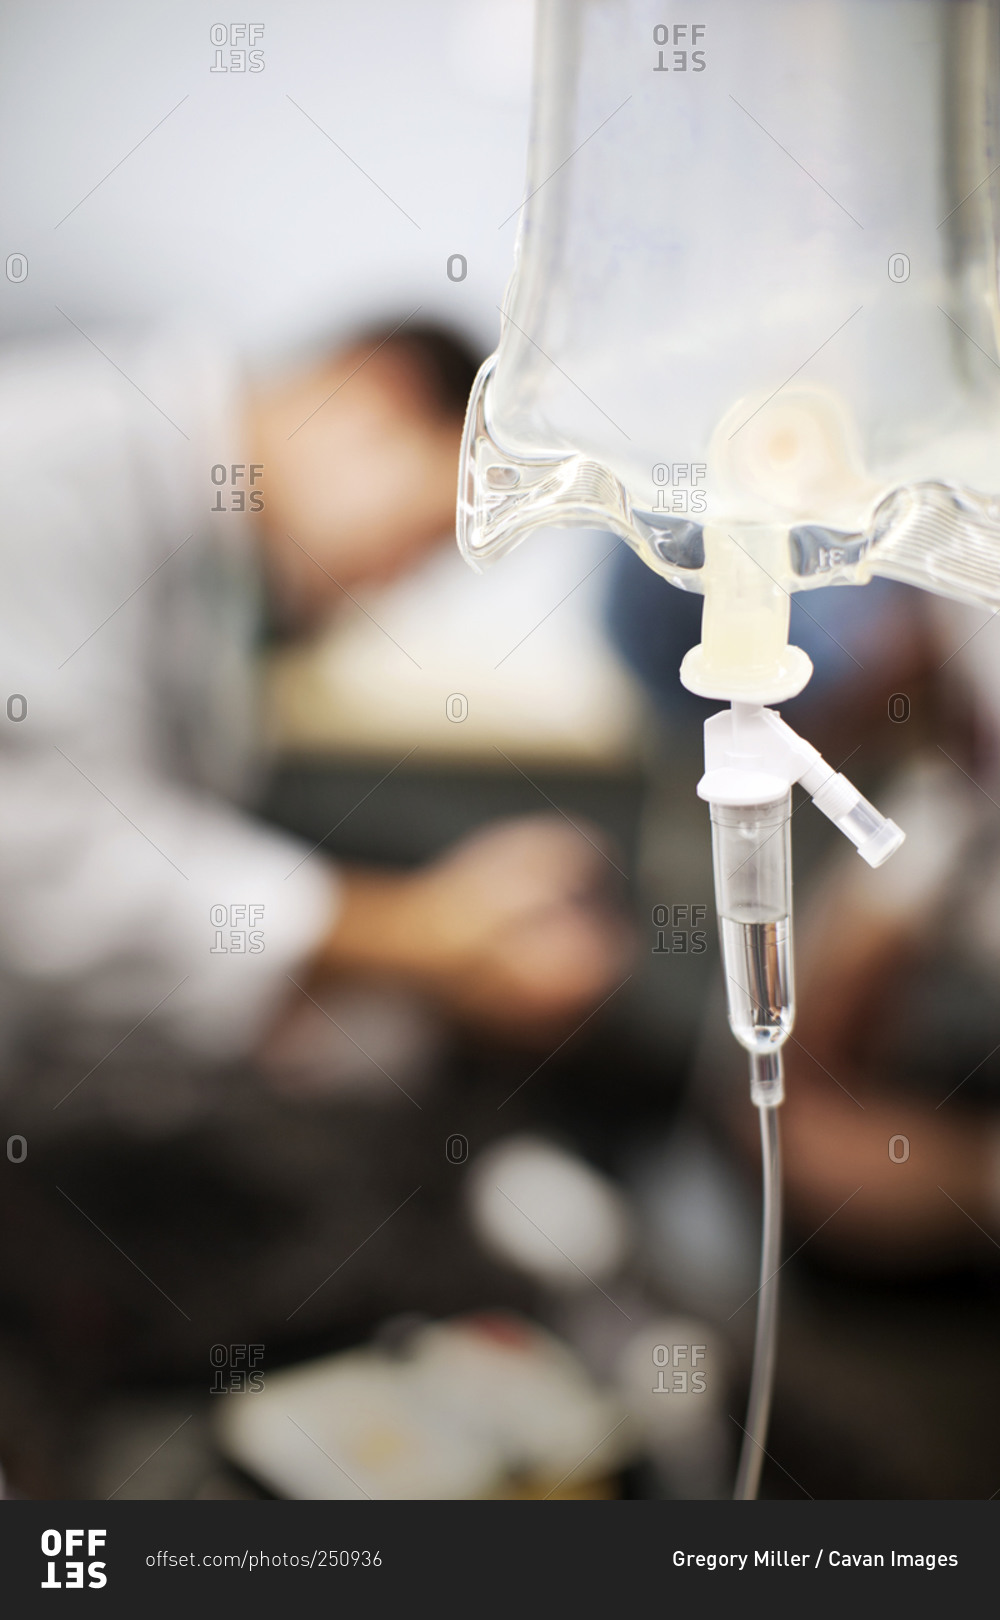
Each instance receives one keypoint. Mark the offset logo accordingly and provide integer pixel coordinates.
(66, 1565)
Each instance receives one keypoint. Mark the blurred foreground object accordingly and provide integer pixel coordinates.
(485, 1406)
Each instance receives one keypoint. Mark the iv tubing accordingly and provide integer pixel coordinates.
(766, 1336)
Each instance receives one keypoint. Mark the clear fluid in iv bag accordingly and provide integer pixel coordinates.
(757, 961)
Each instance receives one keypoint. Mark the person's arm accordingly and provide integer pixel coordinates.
(515, 929)
(128, 900)
(128, 897)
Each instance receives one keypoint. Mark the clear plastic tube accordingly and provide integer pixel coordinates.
(753, 895)
(766, 1335)
(753, 892)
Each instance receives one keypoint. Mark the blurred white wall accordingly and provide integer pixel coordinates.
(237, 207)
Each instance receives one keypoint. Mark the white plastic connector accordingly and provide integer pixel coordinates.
(767, 1079)
(752, 757)
(874, 836)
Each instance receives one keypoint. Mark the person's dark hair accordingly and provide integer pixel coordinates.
(444, 361)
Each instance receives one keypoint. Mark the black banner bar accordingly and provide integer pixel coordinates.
(208, 1558)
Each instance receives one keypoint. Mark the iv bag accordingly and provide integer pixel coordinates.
(755, 294)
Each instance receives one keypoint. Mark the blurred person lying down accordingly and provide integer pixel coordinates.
(146, 519)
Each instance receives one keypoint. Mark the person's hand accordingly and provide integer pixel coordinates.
(514, 929)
